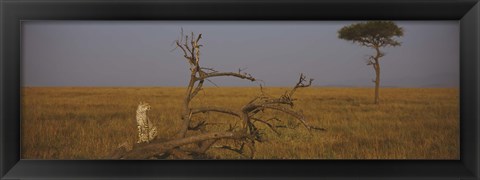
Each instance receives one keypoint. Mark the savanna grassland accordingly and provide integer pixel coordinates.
(89, 123)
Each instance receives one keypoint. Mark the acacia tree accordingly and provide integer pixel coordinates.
(195, 137)
(376, 35)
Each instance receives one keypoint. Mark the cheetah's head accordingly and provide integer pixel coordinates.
(143, 106)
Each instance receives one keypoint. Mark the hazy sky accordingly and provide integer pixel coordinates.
(132, 53)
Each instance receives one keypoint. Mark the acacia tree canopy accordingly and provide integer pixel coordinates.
(372, 33)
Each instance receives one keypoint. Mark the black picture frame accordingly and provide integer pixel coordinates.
(467, 12)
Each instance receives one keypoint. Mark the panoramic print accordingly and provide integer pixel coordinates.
(203, 90)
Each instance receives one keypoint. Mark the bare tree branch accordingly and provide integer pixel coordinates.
(301, 84)
(214, 109)
(238, 75)
(289, 112)
(268, 124)
(152, 149)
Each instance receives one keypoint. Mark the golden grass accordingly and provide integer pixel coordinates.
(89, 123)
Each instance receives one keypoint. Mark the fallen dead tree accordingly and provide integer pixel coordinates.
(194, 138)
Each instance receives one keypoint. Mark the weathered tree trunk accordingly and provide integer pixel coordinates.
(186, 107)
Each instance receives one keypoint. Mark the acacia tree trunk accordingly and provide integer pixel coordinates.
(377, 83)
(376, 66)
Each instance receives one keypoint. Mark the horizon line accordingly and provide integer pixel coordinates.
(327, 86)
